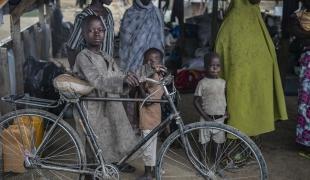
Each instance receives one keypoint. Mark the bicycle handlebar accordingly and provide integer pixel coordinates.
(166, 80)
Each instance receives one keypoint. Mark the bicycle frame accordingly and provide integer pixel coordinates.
(90, 135)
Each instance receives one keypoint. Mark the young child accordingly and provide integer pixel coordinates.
(108, 119)
(210, 100)
(150, 114)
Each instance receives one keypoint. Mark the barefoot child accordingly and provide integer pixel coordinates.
(150, 114)
(210, 100)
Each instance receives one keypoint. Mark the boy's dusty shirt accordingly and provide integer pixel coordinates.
(107, 118)
(212, 92)
(150, 115)
(100, 70)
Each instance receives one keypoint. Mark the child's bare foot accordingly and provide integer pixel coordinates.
(147, 174)
(145, 177)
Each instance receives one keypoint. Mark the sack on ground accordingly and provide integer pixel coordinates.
(16, 141)
(35, 123)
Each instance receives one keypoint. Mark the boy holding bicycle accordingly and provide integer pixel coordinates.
(108, 119)
(150, 114)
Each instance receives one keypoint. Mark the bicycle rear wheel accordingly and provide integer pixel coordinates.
(233, 157)
(21, 133)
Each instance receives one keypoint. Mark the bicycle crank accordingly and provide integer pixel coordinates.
(110, 172)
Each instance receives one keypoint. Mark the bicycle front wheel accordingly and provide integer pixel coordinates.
(22, 132)
(210, 151)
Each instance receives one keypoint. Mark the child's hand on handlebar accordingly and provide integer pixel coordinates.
(131, 79)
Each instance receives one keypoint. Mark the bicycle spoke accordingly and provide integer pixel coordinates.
(50, 157)
(45, 131)
(62, 175)
(63, 151)
(197, 146)
(56, 174)
(188, 167)
(59, 150)
(223, 152)
(16, 140)
(52, 153)
(49, 139)
(179, 156)
(61, 164)
(13, 150)
(217, 160)
(211, 165)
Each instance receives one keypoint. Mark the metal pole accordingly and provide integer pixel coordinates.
(123, 99)
(214, 24)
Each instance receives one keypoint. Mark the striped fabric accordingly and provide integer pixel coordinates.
(77, 41)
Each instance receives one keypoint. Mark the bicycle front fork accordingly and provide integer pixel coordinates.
(189, 151)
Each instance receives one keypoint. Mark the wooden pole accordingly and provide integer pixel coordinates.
(4, 79)
(40, 36)
(5, 90)
(214, 25)
(21, 8)
(41, 13)
(49, 13)
(18, 53)
(58, 4)
(17, 42)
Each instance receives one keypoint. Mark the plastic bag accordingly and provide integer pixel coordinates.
(38, 78)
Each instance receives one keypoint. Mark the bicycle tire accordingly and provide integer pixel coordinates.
(199, 125)
(50, 118)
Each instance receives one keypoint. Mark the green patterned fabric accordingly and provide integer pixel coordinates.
(255, 95)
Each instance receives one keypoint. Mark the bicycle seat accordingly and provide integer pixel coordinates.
(70, 85)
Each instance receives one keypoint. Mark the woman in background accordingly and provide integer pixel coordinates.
(300, 28)
(254, 91)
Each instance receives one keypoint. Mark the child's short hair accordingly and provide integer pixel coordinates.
(153, 50)
(86, 21)
(208, 57)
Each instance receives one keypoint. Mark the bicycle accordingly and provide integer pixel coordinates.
(61, 155)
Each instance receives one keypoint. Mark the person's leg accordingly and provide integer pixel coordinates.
(204, 139)
(303, 116)
(149, 156)
(219, 138)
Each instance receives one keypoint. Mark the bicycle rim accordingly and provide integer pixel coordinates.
(234, 157)
(23, 131)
